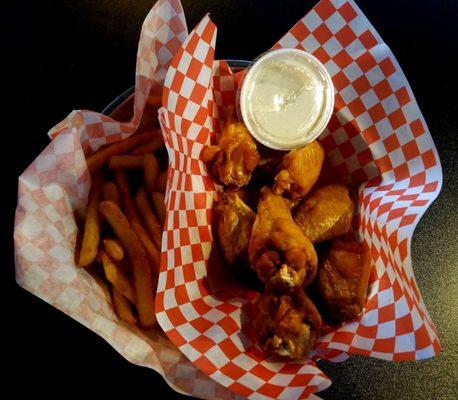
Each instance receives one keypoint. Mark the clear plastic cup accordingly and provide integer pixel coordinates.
(286, 99)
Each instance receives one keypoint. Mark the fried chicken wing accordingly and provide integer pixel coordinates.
(287, 324)
(234, 158)
(343, 279)
(299, 171)
(279, 252)
(233, 227)
(326, 213)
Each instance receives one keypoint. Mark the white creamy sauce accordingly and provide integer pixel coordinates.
(285, 99)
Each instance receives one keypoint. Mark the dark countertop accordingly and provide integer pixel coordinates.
(66, 54)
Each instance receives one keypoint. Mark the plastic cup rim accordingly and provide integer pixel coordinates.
(324, 118)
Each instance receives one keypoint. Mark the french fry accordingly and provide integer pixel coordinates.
(150, 171)
(161, 182)
(92, 226)
(114, 249)
(134, 220)
(123, 307)
(118, 278)
(110, 192)
(159, 206)
(100, 157)
(125, 162)
(155, 144)
(152, 225)
(141, 269)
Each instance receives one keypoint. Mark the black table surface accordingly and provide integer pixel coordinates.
(69, 54)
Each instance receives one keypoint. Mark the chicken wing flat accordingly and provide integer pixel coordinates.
(343, 279)
(287, 324)
(234, 158)
(299, 171)
(326, 213)
(233, 227)
(279, 251)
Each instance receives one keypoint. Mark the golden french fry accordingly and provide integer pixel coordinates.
(123, 307)
(110, 192)
(134, 220)
(126, 162)
(141, 268)
(92, 225)
(117, 277)
(150, 171)
(100, 157)
(152, 225)
(159, 205)
(161, 182)
(114, 249)
(155, 144)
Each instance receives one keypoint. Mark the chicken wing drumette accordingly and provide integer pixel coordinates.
(326, 213)
(233, 159)
(343, 279)
(279, 251)
(287, 324)
(234, 220)
(299, 171)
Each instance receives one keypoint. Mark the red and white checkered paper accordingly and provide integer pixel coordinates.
(377, 138)
(56, 185)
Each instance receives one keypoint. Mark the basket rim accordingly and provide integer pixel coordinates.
(115, 103)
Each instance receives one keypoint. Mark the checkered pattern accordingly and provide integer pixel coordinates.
(163, 31)
(224, 90)
(185, 100)
(56, 185)
(376, 138)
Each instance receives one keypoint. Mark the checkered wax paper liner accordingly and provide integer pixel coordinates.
(377, 138)
(56, 185)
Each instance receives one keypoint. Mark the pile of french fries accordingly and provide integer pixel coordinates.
(123, 225)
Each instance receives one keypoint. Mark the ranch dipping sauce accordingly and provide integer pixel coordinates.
(286, 99)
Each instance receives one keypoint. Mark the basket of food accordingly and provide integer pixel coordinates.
(230, 223)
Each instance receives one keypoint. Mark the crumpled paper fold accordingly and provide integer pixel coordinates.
(55, 187)
(377, 139)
